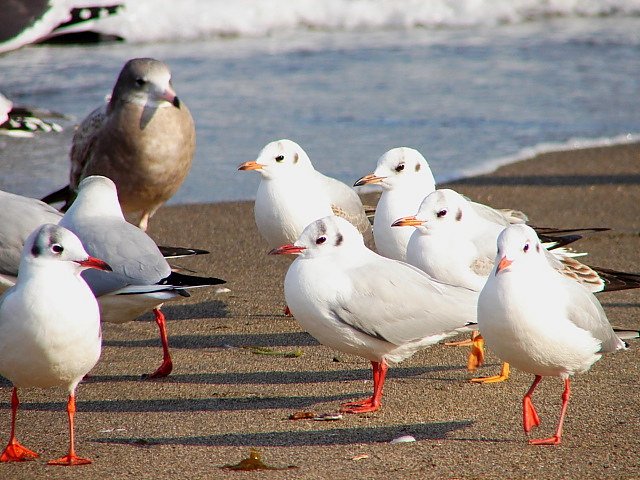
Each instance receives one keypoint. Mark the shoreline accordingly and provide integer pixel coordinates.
(220, 402)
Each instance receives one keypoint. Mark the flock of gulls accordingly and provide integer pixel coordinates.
(444, 265)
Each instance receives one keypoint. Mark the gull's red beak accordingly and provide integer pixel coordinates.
(411, 221)
(93, 262)
(289, 248)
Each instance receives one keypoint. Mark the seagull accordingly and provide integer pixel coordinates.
(454, 243)
(143, 139)
(353, 300)
(49, 326)
(20, 215)
(539, 320)
(141, 279)
(406, 179)
(292, 194)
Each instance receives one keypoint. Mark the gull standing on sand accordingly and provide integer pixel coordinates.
(406, 179)
(292, 194)
(358, 302)
(454, 243)
(142, 279)
(540, 321)
(49, 326)
(143, 139)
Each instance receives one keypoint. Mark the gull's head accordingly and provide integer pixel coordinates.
(280, 159)
(331, 235)
(97, 196)
(519, 245)
(147, 82)
(53, 243)
(401, 168)
(441, 209)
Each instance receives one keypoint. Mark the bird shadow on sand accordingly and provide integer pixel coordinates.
(284, 378)
(336, 436)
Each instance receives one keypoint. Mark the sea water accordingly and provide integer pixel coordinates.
(470, 84)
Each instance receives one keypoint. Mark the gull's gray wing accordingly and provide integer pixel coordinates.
(133, 255)
(19, 216)
(396, 302)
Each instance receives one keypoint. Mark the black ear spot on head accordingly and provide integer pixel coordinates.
(459, 215)
(538, 247)
(295, 158)
(418, 167)
(339, 240)
(36, 251)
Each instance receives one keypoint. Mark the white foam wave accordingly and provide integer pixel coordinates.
(156, 20)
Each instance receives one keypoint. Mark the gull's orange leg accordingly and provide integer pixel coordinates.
(501, 377)
(555, 440)
(71, 458)
(167, 365)
(529, 415)
(14, 452)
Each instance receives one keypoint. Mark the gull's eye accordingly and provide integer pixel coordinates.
(525, 249)
(321, 240)
(280, 158)
(57, 248)
(400, 167)
(140, 81)
(441, 213)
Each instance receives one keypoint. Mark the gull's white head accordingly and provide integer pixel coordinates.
(280, 159)
(53, 243)
(97, 195)
(147, 82)
(519, 245)
(331, 235)
(439, 210)
(401, 167)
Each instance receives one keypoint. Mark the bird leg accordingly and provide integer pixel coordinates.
(14, 452)
(167, 365)
(71, 458)
(501, 377)
(476, 356)
(529, 414)
(370, 404)
(555, 440)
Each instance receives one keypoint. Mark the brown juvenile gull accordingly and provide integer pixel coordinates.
(143, 139)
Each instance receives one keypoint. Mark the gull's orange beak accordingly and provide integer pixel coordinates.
(368, 180)
(170, 96)
(504, 263)
(411, 221)
(289, 248)
(252, 165)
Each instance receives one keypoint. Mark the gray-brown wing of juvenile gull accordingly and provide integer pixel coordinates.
(142, 279)
(292, 194)
(143, 139)
(358, 302)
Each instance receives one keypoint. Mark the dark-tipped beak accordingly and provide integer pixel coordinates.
(411, 221)
(93, 262)
(502, 264)
(368, 180)
(252, 165)
(290, 248)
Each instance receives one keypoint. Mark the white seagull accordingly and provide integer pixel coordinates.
(292, 194)
(358, 302)
(406, 179)
(454, 243)
(539, 320)
(143, 139)
(49, 326)
(142, 279)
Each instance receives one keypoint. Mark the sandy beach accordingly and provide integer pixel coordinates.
(222, 399)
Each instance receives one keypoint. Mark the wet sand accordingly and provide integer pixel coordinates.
(220, 402)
